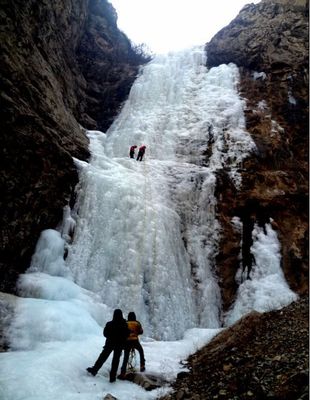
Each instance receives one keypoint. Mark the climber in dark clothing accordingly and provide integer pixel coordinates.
(132, 151)
(116, 333)
(132, 342)
(141, 153)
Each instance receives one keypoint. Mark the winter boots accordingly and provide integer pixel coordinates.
(92, 371)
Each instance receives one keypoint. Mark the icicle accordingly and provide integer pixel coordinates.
(266, 289)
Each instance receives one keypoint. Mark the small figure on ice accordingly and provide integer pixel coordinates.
(141, 153)
(132, 151)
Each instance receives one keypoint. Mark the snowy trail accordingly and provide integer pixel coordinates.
(146, 237)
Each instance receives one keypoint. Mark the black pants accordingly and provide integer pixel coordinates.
(107, 350)
(132, 154)
(132, 344)
(140, 156)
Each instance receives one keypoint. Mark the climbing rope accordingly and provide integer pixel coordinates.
(148, 195)
(146, 231)
(141, 242)
(132, 360)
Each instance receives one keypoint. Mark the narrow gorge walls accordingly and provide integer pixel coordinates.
(66, 67)
(63, 65)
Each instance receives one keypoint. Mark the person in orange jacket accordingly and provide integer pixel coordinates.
(132, 342)
(141, 153)
(132, 151)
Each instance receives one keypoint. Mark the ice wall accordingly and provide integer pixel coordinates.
(146, 232)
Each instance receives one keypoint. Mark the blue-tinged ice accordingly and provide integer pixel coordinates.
(147, 233)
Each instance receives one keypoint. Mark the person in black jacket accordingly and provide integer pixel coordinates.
(116, 333)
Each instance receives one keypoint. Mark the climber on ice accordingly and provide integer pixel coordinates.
(132, 151)
(141, 153)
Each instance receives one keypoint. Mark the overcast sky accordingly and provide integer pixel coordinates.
(165, 25)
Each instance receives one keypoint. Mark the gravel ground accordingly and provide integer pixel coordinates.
(263, 356)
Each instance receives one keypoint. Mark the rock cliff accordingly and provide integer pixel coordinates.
(269, 43)
(64, 66)
(262, 356)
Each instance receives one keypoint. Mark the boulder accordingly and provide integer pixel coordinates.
(147, 381)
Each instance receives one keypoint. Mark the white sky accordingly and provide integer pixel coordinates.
(167, 25)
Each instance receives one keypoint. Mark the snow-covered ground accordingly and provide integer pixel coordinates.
(56, 369)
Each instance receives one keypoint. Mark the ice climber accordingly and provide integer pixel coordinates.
(132, 151)
(141, 153)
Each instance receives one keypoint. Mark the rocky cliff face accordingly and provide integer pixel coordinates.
(63, 65)
(269, 42)
(262, 356)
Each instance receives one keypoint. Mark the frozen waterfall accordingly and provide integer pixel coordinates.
(146, 232)
(145, 240)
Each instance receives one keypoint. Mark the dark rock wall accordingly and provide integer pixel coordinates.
(262, 356)
(271, 39)
(108, 63)
(63, 65)
(270, 35)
